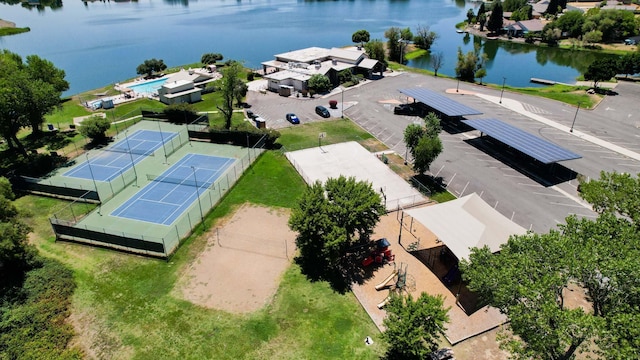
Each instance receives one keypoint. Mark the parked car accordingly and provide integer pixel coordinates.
(322, 111)
(293, 118)
(405, 109)
(251, 115)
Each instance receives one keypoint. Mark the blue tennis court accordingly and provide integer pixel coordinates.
(119, 157)
(170, 194)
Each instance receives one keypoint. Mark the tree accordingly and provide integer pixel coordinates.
(319, 83)
(413, 328)
(150, 66)
(601, 70)
(437, 60)
(240, 91)
(592, 37)
(423, 142)
(360, 36)
(211, 58)
(528, 279)
(229, 89)
(16, 255)
(513, 5)
(467, 65)
(95, 128)
(481, 10)
(630, 63)
(424, 38)
(425, 153)
(28, 91)
(470, 16)
(480, 73)
(375, 50)
(481, 70)
(527, 285)
(394, 45)
(551, 35)
(482, 20)
(331, 220)
(496, 18)
(614, 193)
(571, 23)
(406, 34)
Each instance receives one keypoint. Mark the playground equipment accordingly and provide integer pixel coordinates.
(400, 274)
(381, 254)
(386, 281)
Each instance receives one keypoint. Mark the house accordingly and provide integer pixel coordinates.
(295, 68)
(186, 86)
(179, 91)
(523, 27)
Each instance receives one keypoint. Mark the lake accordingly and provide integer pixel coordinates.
(102, 42)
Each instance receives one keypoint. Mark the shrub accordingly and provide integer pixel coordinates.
(95, 128)
(180, 113)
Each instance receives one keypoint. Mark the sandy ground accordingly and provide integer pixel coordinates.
(239, 270)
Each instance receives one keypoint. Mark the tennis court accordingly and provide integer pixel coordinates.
(121, 156)
(171, 193)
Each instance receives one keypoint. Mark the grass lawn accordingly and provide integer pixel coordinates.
(125, 307)
(337, 131)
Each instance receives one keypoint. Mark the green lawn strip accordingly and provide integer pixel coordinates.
(306, 135)
(130, 302)
(415, 54)
(13, 30)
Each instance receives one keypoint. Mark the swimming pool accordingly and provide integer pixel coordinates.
(148, 87)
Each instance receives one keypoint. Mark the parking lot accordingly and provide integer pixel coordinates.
(535, 197)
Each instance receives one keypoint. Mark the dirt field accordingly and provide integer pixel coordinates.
(240, 268)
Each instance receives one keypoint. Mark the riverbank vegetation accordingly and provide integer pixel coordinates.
(5, 31)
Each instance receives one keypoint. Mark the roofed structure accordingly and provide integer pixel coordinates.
(466, 223)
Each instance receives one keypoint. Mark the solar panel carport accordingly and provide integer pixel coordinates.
(542, 150)
(439, 102)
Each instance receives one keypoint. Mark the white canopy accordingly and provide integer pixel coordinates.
(466, 223)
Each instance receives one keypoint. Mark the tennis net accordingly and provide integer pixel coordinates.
(146, 152)
(179, 181)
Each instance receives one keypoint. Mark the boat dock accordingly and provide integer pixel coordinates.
(547, 82)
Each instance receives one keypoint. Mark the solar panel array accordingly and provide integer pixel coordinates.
(439, 102)
(539, 149)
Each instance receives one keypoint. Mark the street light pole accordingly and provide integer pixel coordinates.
(406, 153)
(458, 84)
(574, 118)
(504, 79)
(342, 104)
(401, 51)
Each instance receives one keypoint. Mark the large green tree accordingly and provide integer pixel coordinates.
(424, 37)
(28, 91)
(211, 58)
(394, 44)
(423, 142)
(413, 327)
(151, 66)
(95, 128)
(360, 36)
(231, 85)
(601, 70)
(330, 220)
(531, 277)
(494, 24)
(319, 83)
(375, 50)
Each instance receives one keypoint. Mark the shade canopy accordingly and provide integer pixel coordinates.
(466, 223)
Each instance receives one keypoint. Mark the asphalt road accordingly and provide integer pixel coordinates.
(534, 196)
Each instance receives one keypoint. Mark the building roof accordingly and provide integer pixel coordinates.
(349, 55)
(466, 223)
(172, 84)
(534, 25)
(368, 63)
(286, 74)
(307, 55)
(538, 148)
(441, 103)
